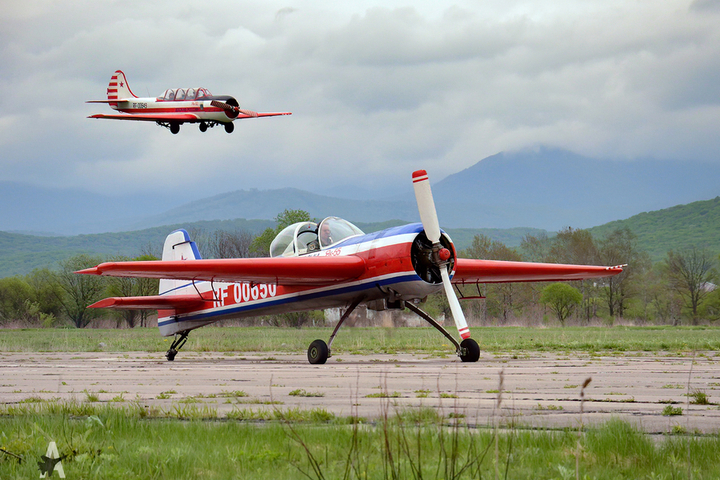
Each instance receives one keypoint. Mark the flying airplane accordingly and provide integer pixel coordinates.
(317, 266)
(175, 107)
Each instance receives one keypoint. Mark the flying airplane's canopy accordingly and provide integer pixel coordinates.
(307, 237)
(178, 94)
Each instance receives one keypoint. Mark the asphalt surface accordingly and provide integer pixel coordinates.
(535, 389)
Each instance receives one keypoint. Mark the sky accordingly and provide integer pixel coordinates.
(377, 89)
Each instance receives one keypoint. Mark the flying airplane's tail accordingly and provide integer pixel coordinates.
(118, 88)
(178, 246)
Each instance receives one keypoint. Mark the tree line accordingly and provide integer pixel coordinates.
(677, 290)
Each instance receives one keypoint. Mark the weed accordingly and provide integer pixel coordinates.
(301, 392)
(699, 397)
(669, 411)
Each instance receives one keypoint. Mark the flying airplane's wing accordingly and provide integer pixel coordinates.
(278, 270)
(150, 117)
(497, 271)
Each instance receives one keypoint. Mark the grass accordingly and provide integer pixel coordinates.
(128, 441)
(367, 340)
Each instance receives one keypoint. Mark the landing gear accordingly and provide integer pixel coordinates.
(318, 352)
(174, 128)
(176, 345)
(469, 350)
(229, 127)
(203, 127)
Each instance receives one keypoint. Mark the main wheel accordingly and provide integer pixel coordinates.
(229, 127)
(203, 126)
(318, 352)
(470, 349)
(171, 354)
(174, 128)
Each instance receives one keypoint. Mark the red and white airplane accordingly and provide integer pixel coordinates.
(317, 266)
(175, 107)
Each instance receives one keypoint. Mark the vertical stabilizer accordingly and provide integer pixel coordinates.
(178, 246)
(118, 88)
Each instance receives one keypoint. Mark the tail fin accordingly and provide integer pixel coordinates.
(178, 246)
(118, 88)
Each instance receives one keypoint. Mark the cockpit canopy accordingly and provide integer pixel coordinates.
(307, 237)
(180, 94)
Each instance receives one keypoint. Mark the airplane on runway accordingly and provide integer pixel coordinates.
(175, 107)
(317, 266)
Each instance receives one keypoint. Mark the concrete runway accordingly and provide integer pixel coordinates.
(539, 389)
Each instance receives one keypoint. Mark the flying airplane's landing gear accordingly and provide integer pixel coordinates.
(174, 128)
(229, 127)
(319, 351)
(468, 350)
(203, 126)
(176, 345)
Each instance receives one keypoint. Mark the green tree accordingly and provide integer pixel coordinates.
(15, 299)
(260, 246)
(691, 272)
(620, 247)
(562, 299)
(76, 291)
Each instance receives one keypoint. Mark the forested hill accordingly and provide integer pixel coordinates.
(695, 224)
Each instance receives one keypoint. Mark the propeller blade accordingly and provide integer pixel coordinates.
(230, 108)
(426, 205)
(428, 216)
(455, 308)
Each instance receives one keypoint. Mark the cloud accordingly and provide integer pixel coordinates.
(376, 89)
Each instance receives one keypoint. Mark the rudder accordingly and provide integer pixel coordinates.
(178, 246)
(118, 88)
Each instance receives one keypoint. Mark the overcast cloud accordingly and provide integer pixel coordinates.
(377, 89)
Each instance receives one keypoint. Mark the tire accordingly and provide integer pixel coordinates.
(471, 350)
(203, 127)
(318, 352)
(229, 127)
(174, 128)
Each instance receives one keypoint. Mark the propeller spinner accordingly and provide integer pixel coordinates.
(440, 257)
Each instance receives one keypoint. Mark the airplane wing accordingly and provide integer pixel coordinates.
(149, 117)
(266, 114)
(154, 302)
(281, 271)
(497, 271)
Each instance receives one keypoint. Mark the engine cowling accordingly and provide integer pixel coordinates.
(427, 260)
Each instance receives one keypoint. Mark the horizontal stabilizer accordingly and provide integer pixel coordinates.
(497, 271)
(154, 302)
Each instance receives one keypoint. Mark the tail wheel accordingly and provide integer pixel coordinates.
(229, 127)
(318, 352)
(469, 350)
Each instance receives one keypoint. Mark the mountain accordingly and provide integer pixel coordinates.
(541, 188)
(695, 224)
(552, 189)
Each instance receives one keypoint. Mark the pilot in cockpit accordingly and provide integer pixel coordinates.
(325, 235)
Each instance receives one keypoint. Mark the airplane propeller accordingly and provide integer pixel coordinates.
(440, 256)
(231, 108)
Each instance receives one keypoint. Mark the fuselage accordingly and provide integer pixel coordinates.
(201, 108)
(390, 274)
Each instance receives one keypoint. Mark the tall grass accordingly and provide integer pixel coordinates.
(112, 442)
